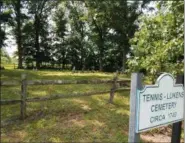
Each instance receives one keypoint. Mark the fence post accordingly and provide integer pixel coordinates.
(23, 96)
(112, 91)
(177, 127)
(136, 83)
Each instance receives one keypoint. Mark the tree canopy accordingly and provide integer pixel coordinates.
(158, 44)
(96, 35)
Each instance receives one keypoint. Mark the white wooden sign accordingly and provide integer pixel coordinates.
(160, 104)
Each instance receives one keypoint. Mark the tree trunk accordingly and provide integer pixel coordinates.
(124, 58)
(100, 64)
(82, 58)
(125, 50)
(63, 60)
(101, 49)
(19, 34)
(37, 45)
(63, 64)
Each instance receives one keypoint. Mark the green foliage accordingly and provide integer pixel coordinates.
(5, 19)
(28, 42)
(84, 34)
(5, 58)
(61, 52)
(122, 19)
(158, 44)
(99, 27)
(36, 38)
(77, 39)
(95, 35)
(61, 22)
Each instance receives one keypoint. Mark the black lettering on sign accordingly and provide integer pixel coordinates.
(157, 118)
(152, 97)
(174, 95)
(164, 106)
(172, 115)
(182, 94)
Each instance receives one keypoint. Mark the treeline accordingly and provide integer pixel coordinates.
(99, 35)
(81, 34)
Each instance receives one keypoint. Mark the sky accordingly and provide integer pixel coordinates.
(10, 42)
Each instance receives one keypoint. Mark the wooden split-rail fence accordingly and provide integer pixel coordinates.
(125, 84)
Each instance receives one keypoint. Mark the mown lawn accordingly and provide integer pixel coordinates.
(72, 119)
(79, 119)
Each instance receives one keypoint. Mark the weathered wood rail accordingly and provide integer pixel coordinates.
(61, 82)
(9, 102)
(10, 83)
(24, 83)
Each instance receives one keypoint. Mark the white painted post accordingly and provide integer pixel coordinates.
(136, 83)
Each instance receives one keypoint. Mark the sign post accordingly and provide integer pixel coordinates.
(177, 127)
(160, 104)
(155, 105)
(136, 80)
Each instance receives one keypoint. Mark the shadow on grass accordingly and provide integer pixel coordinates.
(15, 74)
(80, 119)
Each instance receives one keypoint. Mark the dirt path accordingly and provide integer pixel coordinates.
(156, 138)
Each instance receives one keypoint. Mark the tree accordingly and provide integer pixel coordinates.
(28, 43)
(39, 10)
(17, 30)
(81, 34)
(158, 45)
(16, 22)
(36, 8)
(5, 15)
(98, 13)
(123, 21)
(61, 49)
(77, 35)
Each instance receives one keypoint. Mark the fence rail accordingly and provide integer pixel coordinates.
(24, 83)
(10, 83)
(9, 102)
(61, 82)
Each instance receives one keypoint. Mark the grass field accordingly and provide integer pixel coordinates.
(79, 119)
(73, 119)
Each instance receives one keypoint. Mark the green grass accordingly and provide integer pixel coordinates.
(7, 65)
(11, 74)
(79, 119)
